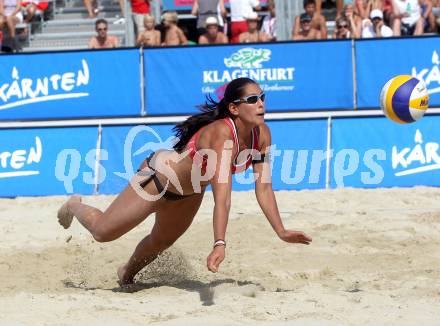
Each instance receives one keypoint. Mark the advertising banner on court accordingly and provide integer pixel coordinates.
(377, 61)
(375, 152)
(70, 85)
(52, 161)
(294, 76)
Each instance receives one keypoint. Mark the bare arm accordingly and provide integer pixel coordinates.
(1, 8)
(203, 40)
(195, 8)
(222, 8)
(221, 188)
(296, 28)
(182, 38)
(266, 197)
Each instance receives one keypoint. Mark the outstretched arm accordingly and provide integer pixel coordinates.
(266, 197)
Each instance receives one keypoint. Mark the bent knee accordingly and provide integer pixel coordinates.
(162, 243)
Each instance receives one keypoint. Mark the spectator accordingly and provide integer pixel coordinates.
(407, 18)
(33, 7)
(150, 36)
(102, 40)
(139, 8)
(306, 31)
(318, 20)
(270, 22)
(376, 26)
(212, 34)
(343, 29)
(253, 35)
(10, 14)
(354, 20)
(240, 9)
(204, 9)
(173, 34)
(434, 16)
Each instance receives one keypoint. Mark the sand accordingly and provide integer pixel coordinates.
(374, 260)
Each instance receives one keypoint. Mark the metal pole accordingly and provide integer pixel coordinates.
(329, 153)
(353, 68)
(97, 160)
(129, 27)
(142, 79)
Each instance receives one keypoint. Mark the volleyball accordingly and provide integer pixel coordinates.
(404, 99)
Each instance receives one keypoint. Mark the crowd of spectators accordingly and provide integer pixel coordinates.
(246, 21)
(250, 22)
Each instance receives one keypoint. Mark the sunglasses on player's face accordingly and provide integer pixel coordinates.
(251, 99)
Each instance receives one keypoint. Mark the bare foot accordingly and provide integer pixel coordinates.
(123, 280)
(65, 215)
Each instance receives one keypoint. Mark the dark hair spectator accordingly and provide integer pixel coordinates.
(102, 40)
(318, 21)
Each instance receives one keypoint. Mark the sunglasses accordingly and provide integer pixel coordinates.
(342, 26)
(102, 29)
(251, 99)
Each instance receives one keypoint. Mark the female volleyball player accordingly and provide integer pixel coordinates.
(226, 138)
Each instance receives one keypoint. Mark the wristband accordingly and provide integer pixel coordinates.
(219, 243)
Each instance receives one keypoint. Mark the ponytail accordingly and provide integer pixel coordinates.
(211, 111)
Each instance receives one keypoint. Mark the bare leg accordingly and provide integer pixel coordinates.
(419, 27)
(396, 27)
(172, 221)
(89, 7)
(126, 211)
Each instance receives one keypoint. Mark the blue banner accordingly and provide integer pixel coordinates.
(298, 160)
(295, 76)
(53, 161)
(375, 152)
(377, 61)
(70, 85)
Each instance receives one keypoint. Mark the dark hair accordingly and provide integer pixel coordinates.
(309, 2)
(100, 21)
(211, 111)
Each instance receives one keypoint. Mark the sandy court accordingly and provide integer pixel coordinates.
(374, 260)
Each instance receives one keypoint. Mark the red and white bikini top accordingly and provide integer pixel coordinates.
(201, 160)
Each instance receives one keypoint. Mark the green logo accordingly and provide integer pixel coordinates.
(248, 58)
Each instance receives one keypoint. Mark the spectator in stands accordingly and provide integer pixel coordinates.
(102, 40)
(204, 9)
(150, 36)
(354, 20)
(270, 22)
(376, 26)
(407, 18)
(343, 29)
(33, 7)
(212, 34)
(318, 20)
(253, 35)
(139, 8)
(10, 14)
(173, 34)
(240, 10)
(306, 31)
(434, 16)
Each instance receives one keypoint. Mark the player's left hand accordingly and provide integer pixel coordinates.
(215, 258)
(295, 237)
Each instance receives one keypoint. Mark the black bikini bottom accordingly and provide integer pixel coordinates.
(169, 195)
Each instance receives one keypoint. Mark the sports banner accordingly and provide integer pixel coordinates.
(376, 152)
(52, 161)
(295, 76)
(70, 85)
(379, 60)
(298, 161)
